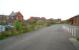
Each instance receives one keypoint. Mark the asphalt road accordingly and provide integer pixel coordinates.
(49, 38)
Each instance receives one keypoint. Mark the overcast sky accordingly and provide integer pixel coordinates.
(63, 9)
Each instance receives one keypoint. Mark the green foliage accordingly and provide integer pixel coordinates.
(20, 28)
(78, 38)
(5, 34)
(18, 25)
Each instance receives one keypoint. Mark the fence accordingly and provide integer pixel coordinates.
(74, 30)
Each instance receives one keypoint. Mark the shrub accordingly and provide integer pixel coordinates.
(78, 38)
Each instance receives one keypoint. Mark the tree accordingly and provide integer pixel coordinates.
(18, 25)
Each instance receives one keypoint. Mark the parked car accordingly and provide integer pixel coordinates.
(9, 27)
(2, 28)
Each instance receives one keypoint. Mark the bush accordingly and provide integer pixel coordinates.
(78, 38)
(2, 37)
(5, 34)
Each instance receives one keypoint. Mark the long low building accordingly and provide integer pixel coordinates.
(74, 20)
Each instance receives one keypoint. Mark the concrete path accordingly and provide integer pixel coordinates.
(49, 38)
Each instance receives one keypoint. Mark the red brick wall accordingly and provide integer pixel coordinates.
(19, 16)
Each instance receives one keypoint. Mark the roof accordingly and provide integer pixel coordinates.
(3, 16)
(15, 13)
(12, 14)
(73, 17)
(76, 16)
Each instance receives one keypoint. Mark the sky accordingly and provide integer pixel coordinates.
(63, 9)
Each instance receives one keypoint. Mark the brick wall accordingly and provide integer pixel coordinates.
(74, 20)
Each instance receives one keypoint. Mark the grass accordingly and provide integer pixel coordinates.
(9, 33)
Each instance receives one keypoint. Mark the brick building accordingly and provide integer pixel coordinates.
(3, 19)
(10, 19)
(15, 16)
(74, 20)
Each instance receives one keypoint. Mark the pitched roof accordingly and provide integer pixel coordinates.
(12, 14)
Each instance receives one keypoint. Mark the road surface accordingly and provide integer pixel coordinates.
(49, 38)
